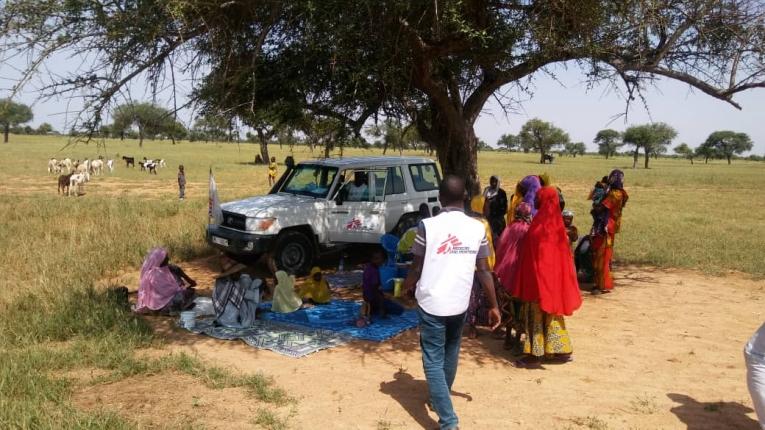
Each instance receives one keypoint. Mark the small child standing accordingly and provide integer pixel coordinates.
(373, 295)
(272, 171)
(181, 182)
(568, 222)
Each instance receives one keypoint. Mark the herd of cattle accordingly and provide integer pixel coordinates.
(74, 174)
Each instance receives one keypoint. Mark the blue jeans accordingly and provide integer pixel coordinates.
(440, 339)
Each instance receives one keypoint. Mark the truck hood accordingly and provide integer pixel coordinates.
(265, 205)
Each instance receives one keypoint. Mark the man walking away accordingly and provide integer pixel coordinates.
(448, 251)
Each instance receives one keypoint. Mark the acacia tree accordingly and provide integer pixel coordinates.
(542, 136)
(148, 118)
(706, 151)
(509, 142)
(12, 115)
(574, 149)
(727, 143)
(437, 62)
(685, 151)
(652, 138)
(609, 141)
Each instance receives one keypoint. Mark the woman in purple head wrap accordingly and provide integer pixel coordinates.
(531, 185)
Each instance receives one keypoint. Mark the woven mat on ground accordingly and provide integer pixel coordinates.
(345, 279)
(340, 316)
(280, 338)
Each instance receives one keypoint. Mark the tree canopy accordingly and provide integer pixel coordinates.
(726, 143)
(652, 138)
(150, 120)
(436, 63)
(608, 142)
(685, 151)
(509, 142)
(542, 136)
(12, 114)
(575, 148)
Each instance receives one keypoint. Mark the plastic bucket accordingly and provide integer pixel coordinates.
(397, 284)
(387, 273)
(188, 319)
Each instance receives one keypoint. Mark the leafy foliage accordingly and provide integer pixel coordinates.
(727, 143)
(541, 136)
(13, 114)
(609, 141)
(652, 138)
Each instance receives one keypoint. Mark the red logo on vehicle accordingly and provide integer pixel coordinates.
(449, 245)
(354, 224)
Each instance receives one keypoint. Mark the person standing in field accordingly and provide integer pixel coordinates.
(603, 235)
(545, 281)
(272, 169)
(181, 183)
(449, 250)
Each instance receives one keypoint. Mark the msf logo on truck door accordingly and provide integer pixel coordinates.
(356, 224)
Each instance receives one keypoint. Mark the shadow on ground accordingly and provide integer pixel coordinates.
(712, 415)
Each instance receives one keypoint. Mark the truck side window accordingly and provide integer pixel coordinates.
(395, 183)
(424, 176)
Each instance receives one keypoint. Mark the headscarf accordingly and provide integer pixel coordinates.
(616, 181)
(229, 291)
(523, 212)
(546, 179)
(491, 192)
(318, 291)
(545, 272)
(531, 185)
(285, 298)
(158, 285)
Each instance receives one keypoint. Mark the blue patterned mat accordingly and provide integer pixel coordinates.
(340, 316)
(286, 340)
(345, 279)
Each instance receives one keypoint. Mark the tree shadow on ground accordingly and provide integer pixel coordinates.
(412, 395)
(711, 415)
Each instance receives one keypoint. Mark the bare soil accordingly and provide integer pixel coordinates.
(663, 351)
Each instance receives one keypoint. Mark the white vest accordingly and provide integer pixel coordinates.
(452, 243)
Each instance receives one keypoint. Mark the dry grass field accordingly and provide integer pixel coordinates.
(663, 352)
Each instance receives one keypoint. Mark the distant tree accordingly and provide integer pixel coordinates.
(326, 133)
(483, 146)
(391, 134)
(510, 142)
(13, 114)
(685, 151)
(608, 142)
(652, 138)
(542, 136)
(727, 143)
(211, 127)
(150, 120)
(574, 149)
(44, 128)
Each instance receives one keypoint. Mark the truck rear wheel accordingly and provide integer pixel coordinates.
(294, 253)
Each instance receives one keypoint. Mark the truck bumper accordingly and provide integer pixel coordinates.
(238, 242)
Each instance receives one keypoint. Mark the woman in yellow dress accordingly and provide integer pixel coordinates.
(316, 289)
(272, 171)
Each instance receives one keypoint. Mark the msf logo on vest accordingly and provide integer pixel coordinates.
(452, 245)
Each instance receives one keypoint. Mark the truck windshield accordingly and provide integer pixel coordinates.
(310, 180)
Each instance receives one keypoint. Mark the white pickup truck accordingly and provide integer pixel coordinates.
(319, 204)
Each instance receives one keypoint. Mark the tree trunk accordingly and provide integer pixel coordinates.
(457, 150)
(647, 157)
(140, 137)
(706, 160)
(385, 147)
(635, 157)
(728, 157)
(691, 161)
(327, 150)
(6, 130)
(542, 156)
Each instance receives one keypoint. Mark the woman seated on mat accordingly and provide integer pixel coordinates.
(316, 289)
(286, 298)
(373, 295)
(164, 287)
(236, 300)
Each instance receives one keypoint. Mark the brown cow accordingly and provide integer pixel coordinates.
(63, 183)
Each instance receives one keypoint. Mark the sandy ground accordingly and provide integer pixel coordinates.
(663, 351)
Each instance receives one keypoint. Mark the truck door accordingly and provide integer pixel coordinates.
(357, 214)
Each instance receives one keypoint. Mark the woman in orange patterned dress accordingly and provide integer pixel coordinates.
(610, 209)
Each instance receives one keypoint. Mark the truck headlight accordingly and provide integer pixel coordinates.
(260, 224)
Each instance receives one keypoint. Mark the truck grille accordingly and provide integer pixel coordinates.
(235, 221)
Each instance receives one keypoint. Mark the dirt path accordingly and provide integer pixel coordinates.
(663, 351)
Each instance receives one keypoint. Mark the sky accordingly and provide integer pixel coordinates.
(564, 100)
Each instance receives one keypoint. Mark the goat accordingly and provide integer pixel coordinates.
(142, 165)
(83, 170)
(110, 165)
(162, 162)
(53, 166)
(129, 161)
(75, 182)
(66, 164)
(63, 183)
(97, 167)
(152, 167)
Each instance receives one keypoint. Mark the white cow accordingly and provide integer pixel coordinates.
(110, 165)
(96, 167)
(53, 166)
(75, 182)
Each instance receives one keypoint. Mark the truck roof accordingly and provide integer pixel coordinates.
(361, 162)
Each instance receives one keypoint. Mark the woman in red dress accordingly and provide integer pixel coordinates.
(609, 210)
(545, 281)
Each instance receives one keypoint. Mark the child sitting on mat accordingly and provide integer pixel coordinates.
(373, 295)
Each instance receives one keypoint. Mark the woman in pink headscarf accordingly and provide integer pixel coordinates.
(162, 285)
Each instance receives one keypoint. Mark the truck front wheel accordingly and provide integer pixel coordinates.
(294, 253)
